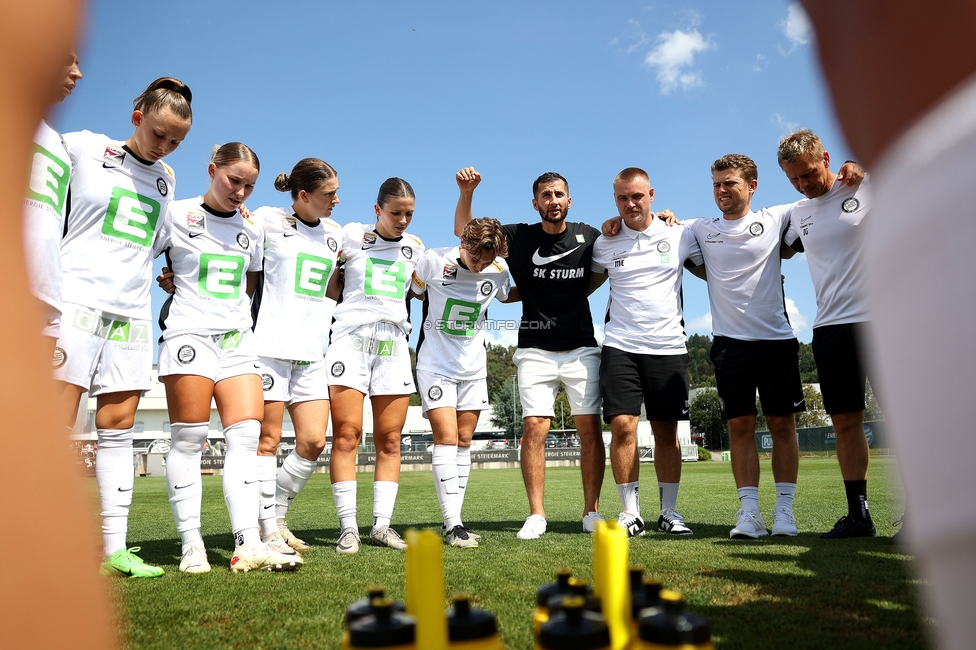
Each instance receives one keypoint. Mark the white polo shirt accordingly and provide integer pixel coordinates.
(742, 264)
(644, 313)
(829, 230)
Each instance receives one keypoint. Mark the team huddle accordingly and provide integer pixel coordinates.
(281, 308)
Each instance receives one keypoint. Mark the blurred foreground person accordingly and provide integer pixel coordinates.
(32, 71)
(910, 115)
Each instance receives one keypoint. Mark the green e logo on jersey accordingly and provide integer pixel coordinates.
(49, 179)
(311, 273)
(459, 317)
(385, 278)
(220, 276)
(131, 217)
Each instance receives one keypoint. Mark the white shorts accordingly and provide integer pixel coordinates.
(373, 359)
(103, 352)
(216, 356)
(438, 391)
(540, 372)
(293, 381)
(51, 321)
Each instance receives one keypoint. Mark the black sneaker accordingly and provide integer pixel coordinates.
(850, 527)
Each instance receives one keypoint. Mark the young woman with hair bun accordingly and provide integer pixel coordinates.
(207, 352)
(368, 355)
(294, 308)
(119, 191)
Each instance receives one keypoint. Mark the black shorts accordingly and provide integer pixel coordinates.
(771, 367)
(660, 381)
(840, 366)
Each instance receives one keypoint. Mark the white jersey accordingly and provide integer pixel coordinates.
(452, 343)
(377, 277)
(47, 194)
(116, 203)
(210, 254)
(742, 264)
(828, 229)
(644, 313)
(295, 316)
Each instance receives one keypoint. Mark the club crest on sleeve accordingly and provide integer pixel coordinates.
(756, 229)
(486, 288)
(161, 186)
(332, 244)
(242, 240)
(851, 205)
(407, 252)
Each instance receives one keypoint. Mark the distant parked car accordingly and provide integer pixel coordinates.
(551, 441)
(497, 444)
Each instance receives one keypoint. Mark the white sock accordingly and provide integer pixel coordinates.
(749, 498)
(344, 495)
(294, 474)
(241, 492)
(629, 497)
(464, 471)
(267, 468)
(114, 474)
(183, 477)
(384, 498)
(784, 495)
(444, 465)
(669, 495)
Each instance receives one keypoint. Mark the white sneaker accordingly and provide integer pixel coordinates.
(259, 555)
(459, 537)
(632, 523)
(470, 532)
(748, 525)
(278, 545)
(348, 543)
(194, 558)
(672, 523)
(299, 545)
(784, 523)
(386, 536)
(533, 528)
(589, 521)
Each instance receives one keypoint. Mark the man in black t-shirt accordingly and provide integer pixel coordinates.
(550, 264)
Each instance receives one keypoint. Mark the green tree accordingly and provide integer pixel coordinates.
(500, 367)
(808, 367)
(701, 372)
(815, 415)
(415, 396)
(760, 417)
(872, 410)
(706, 420)
(506, 412)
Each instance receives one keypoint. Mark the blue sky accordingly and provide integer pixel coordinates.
(419, 90)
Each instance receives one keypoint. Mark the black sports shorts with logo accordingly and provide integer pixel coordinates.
(771, 367)
(660, 381)
(840, 366)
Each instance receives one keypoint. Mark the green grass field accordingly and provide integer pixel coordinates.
(800, 592)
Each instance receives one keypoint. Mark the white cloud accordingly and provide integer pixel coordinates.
(598, 332)
(797, 320)
(796, 26)
(701, 324)
(785, 125)
(673, 59)
(758, 65)
(503, 336)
